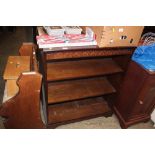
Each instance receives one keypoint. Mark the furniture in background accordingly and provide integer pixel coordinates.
(22, 109)
(80, 83)
(136, 98)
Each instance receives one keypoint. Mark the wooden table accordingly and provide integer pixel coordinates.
(15, 66)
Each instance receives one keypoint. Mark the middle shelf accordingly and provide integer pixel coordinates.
(78, 89)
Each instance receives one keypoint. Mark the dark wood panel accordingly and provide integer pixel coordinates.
(77, 109)
(81, 68)
(130, 88)
(136, 99)
(83, 53)
(78, 89)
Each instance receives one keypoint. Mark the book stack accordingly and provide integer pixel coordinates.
(66, 40)
(54, 30)
(61, 30)
(72, 29)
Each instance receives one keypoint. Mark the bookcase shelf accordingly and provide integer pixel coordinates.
(77, 109)
(76, 80)
(81, 68)
(78, 89)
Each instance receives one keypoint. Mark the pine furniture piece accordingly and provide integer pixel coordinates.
(136, 99)
(80, 83)
(15, 66)
(21, 109)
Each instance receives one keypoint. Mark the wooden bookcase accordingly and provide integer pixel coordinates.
(80, 83)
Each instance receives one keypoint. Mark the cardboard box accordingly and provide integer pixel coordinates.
(117, 36)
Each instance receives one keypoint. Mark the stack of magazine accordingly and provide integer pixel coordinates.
(72, 29)
(71, 38)
(54, 30)
(61, 30)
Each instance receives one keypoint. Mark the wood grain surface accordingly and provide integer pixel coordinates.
(81, 68)
(77, 109)
(15, 66)
(78, 89)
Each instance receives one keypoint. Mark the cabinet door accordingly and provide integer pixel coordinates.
(146, 99)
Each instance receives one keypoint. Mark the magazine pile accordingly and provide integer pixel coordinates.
(67, 40)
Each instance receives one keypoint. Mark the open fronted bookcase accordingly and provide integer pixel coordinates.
(81, 83)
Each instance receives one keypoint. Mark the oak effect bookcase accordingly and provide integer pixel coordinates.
(80, 83)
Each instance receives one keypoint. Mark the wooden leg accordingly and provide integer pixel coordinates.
(108, 114)
(145, 121)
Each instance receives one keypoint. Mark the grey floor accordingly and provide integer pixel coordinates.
(9, 45)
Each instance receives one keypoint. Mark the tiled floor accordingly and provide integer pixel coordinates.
(9, 45)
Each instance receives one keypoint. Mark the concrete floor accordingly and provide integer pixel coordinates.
(9, 45)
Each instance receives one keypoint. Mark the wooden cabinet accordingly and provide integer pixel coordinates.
(136, 99)
(80, 83)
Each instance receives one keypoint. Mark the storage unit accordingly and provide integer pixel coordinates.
(80, 83)
(136, 99)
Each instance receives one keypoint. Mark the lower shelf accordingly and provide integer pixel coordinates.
(77, 109)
